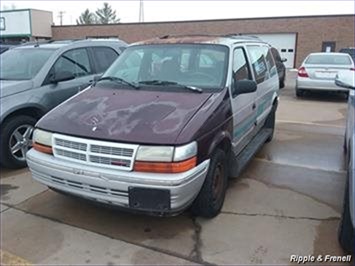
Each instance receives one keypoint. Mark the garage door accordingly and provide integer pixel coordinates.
(285, 43)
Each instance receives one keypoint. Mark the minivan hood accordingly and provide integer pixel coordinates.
(125, 115)
(9, 87)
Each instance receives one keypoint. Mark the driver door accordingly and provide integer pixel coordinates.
(75, 61)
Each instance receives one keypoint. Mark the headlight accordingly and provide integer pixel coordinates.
(42, 137)
(166, 159)
(155, 153)
(185, 152)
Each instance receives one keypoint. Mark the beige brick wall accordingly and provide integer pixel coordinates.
(41, 23)
(311, 31)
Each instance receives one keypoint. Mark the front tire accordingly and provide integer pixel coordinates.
(210, 200)
(15, 141)
(346, 230)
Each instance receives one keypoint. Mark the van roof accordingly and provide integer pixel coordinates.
(228, 39)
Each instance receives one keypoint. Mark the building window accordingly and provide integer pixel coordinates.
(2, 23)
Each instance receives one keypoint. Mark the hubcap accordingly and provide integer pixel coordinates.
(20, 141)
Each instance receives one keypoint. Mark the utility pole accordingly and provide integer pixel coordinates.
(141, 11)
(60, 16)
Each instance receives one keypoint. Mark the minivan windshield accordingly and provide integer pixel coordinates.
(328, 59)
(195, 65)
(23, 63)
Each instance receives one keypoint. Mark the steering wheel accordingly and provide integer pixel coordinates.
(203, 76)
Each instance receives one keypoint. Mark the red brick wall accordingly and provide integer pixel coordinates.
(312, 31)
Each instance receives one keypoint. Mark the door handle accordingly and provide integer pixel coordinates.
(254, 106)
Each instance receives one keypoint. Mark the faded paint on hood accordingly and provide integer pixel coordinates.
(134, 116)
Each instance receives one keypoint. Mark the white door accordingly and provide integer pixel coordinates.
(285, 43)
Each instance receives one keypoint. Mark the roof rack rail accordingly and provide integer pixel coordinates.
(189, 35)
(242, 36)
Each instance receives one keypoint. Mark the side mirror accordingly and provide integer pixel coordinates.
(244, 86)
(62, 76)
(346, 80)
(283, 60)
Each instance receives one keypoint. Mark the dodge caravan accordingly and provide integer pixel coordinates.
(164, 127)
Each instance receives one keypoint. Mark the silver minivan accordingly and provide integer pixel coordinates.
(36, 77)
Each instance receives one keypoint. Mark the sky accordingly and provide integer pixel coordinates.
(128, 10)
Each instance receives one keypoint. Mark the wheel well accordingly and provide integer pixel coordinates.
(275, 102)
(225, 145)
(28, 111)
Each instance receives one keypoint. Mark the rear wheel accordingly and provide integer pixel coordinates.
(210, 200)
(346, 230)
(270, 123)
(16, 140)
(282, 84)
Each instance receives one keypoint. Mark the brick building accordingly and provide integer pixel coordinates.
(294, 37)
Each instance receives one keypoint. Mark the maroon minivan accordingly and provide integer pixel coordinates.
(164, 127)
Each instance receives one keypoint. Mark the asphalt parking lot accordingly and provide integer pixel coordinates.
(287, 202)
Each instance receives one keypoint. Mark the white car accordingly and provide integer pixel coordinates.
(318, 72)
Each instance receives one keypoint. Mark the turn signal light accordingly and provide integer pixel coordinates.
(42, 148)
(302, 72)
(171, 167)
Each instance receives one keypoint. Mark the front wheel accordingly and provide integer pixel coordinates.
(16, 139)
(210, 200)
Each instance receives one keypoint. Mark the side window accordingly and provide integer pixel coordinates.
(75, 61)
(270, 62)
(240, 65)
(258, 60)
(104, 57)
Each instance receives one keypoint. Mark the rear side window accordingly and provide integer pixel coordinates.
(75, 61)
(262, 62)
(328, 59)
(104, 57)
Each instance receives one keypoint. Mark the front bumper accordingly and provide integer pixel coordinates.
(317, 84)
(112, 186)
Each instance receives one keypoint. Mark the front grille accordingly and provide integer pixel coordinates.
(93, 152)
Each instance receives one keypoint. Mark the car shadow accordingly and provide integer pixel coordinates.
(324, 96)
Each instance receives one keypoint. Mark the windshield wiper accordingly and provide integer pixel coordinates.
(118, 80)
(172, 83)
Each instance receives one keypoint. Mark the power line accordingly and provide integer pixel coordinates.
(60, 16)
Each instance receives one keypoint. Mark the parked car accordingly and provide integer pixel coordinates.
(5, 47)
(281, 69)
(350, 51)
(34, 78)
(347, 223)
(318, 72)
(165, 126)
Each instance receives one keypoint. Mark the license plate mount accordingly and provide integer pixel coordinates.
(149, 199)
